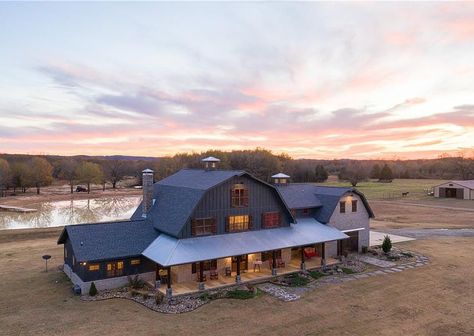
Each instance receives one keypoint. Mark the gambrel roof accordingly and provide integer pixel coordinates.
(176, 197)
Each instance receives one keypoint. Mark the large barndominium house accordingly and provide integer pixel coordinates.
(204, 228)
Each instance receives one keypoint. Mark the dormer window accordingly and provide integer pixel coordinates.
(239, 196)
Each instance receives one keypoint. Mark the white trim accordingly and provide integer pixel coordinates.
(352, 230)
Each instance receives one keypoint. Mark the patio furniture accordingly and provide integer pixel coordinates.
(228, 271)
(257, 264)
(213, 275)
(310, 252)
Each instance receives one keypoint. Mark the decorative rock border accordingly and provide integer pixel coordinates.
(187, 303)
(294, 293)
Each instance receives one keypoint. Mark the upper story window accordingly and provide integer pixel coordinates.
(239, 223)
(271, 220)
(203, 226)
(354, 205)
(239, 196)
(342, 207)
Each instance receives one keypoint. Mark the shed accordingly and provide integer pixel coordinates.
(455, 189)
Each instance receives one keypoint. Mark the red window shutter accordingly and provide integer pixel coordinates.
(227, 224)
(278, 219)
(250, 222)
(232, 197)
(246, 197)
(193, 227)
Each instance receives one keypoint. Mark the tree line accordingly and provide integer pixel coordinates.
(21, 172)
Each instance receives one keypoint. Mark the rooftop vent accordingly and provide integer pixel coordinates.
(210, 163)
(280, 178)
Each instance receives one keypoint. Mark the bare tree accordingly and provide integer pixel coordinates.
(115, 171)
(464, 166)
(67, 169)
(4, 175)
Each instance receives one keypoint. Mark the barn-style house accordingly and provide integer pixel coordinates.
(205, 228)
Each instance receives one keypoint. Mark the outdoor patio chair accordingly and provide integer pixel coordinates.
(213, 275)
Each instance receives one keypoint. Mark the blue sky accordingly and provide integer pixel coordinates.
(320, 80)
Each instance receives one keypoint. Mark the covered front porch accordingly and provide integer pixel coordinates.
(250, 275)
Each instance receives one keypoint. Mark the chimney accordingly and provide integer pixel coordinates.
(210, 163)
(147, 182)
(280, 179)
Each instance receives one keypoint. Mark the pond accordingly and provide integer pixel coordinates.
(69, 212)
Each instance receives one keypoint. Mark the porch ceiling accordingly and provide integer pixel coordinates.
(168, 251)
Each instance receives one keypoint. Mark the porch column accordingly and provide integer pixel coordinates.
(303, 265)
(237, 277)
(157, 276)
(323, 254)
(201, 275)
(169, 291)
(274, 269)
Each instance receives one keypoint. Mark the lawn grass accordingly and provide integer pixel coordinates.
(240, 294)
(297, 280)
(417, 188)
(316, 274)
(347, 270)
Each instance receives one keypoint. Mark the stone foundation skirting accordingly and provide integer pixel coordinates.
(104, 284)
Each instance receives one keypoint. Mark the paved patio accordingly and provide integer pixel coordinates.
(376, 238)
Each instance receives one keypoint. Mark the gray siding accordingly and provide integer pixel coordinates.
(216, 203)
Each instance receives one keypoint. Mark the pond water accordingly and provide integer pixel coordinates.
(61, 213)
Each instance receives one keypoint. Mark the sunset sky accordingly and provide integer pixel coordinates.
(314, 80)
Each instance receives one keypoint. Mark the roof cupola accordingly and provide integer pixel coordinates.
(210, 163)
(280, 178)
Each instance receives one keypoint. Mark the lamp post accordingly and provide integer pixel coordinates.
(46, 257)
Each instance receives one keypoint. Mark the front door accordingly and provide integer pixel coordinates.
(114, 268)
(244, 261)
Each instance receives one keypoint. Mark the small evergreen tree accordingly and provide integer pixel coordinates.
(386, 174)
(92, 290)
(321, 173)
(387, 244)
(375, 172)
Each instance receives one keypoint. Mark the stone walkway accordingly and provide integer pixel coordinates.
(294, 293)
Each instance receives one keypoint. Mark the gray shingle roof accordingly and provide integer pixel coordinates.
(109, 240)
(308, 195)
(199, 178)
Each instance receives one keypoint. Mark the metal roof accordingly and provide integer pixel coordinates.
(109, 240)
(280, 175)
(211, 159)
(167, 251)
(147, 171)
(464, 183)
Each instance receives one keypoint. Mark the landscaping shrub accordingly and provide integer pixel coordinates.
(204, 297)
(240, 294)
(135, 282)
(365, 249)
(159, 296)
(92, 290)
(298, 281)
(347, 270)
(387, 244)
(316, 274)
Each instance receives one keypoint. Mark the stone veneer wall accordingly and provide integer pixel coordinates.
(104, 283)
(350, 220)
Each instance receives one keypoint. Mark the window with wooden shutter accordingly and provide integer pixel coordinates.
(342, 207)
(238, 223)
(271, 220)
(354, 205)
(239, 196)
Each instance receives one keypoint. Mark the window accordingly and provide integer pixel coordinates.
(114, 269)
(305, 212)
(268, 255)
(94, 267)
(119, 265)
(203, 226)
(208, 265)
(354, 205)
(239, 196)
(342, 207)
(271, 220)
(238, 223)
(135, 262)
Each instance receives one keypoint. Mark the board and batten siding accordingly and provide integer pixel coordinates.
(462, 191)
(351, 220)
(216, 203)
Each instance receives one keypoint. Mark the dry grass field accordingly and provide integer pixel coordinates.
(436, 299)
